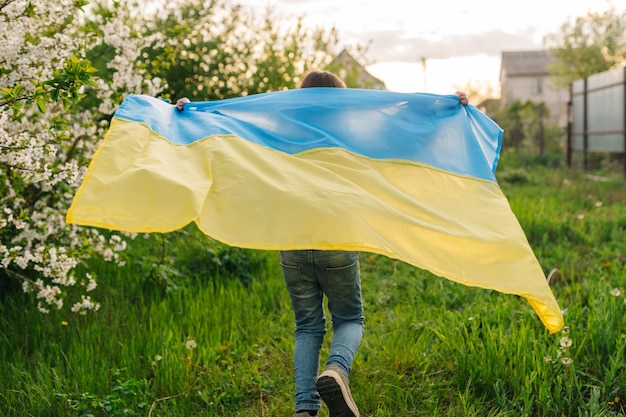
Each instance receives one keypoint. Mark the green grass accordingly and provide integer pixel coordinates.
(432, 347)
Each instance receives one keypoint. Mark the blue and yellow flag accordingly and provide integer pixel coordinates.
(409, 176)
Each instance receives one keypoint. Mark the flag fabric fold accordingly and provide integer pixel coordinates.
(409, 176)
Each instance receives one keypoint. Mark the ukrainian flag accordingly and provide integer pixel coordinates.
(409, 176)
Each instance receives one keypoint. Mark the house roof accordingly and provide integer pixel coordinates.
(345, 59)
(524, 63)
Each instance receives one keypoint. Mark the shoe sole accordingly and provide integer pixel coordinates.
(336, 395)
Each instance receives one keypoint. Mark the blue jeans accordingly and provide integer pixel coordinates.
(309, 274)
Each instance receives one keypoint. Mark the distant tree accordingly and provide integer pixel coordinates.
(287, 53)
(527, 127)
(587, 45)
(215, 50)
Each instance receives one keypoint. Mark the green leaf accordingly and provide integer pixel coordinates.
(41, 104)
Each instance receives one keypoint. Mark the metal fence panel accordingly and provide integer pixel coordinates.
(598, 114)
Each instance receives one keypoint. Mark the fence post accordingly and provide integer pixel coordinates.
(624, 122)
(570, 125)
(585, 124)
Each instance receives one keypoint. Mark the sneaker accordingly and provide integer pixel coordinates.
(305, 413)
(334, 389)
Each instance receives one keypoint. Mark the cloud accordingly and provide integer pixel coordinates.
(394, 45)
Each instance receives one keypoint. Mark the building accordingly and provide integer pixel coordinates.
(524, 77)
(354, 73)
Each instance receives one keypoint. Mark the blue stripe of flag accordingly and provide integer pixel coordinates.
(421, 128)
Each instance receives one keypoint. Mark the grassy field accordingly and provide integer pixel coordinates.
(209, 333)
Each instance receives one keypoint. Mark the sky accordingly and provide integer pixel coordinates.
(459, 41)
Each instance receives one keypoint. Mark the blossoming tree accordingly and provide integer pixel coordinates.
(46, 138)
(65, 65)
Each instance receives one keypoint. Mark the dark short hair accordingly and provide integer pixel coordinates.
(321, 79)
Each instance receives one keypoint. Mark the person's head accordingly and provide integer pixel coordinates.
(321, 79)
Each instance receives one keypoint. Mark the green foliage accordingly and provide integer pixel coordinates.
(588, 45)
(527, 125)
(606, 164)
(527, 160)
(179, 258)
(214, 50)
(128, 398)
(286, 53)
(530, 138)
(225, 261)
(64, 87)
(518, 176)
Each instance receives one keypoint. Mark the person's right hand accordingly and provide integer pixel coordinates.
(462, 97)
(180, 104)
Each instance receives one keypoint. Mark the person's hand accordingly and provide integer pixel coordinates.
(180, 104)
(462, 97)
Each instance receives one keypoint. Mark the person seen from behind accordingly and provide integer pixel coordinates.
(311, 275)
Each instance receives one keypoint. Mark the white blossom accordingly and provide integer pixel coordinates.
(91, 283)
(84, 305)
(40, 242)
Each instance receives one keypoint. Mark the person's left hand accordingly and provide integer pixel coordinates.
(180, 104)
(462, 97)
